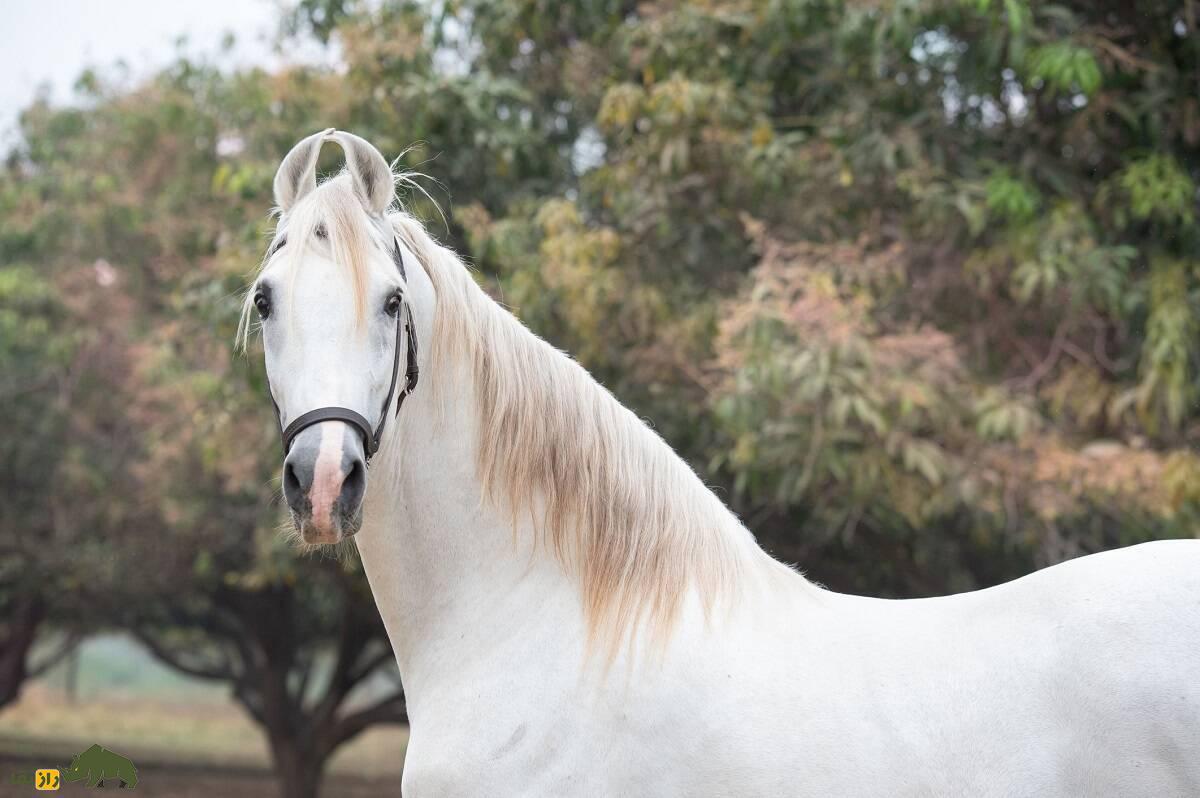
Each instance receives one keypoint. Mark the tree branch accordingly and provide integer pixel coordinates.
(368, 665)
(67, 646)
(171, 658)
(354, 638)
(393, 709)
(306, 666)
(1031, 380)
(241, 691)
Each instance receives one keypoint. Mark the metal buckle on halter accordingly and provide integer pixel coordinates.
(371, 438)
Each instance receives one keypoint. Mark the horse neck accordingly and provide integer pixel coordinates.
(452, 580)
(456, 583)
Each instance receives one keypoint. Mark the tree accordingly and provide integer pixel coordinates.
(913, 283)
(293, 645)
(28, 358)
(62, 432)
(145, 487)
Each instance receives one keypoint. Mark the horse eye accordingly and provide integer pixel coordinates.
(393, 305)
(263, 304)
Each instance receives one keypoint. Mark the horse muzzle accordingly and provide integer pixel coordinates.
(324, 481)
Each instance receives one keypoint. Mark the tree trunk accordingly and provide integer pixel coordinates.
(19, 633)
(297, 766)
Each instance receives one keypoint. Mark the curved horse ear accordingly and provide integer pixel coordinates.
(373, 177)
(297, 174)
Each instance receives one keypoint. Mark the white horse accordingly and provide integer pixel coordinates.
(575, 613)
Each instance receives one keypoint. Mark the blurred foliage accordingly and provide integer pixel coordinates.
(913, 283)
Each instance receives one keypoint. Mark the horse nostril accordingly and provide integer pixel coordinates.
(295, 486)
(354, 486)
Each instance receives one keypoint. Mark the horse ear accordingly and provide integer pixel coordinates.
(297, 174)
(373, 177)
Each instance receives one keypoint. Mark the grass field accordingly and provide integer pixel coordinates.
(186, 737)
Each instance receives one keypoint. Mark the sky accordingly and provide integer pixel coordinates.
(49, 42)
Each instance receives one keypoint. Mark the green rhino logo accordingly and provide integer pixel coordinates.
(99, 764)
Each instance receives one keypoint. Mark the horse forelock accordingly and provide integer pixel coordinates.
(334, 212)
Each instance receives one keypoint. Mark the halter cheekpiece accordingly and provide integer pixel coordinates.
(371, 437)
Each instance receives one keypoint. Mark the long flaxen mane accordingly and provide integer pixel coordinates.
(605, 494)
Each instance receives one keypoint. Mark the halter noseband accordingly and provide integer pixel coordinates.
(371, 437)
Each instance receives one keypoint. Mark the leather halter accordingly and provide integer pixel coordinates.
(371, 437)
